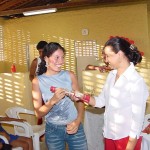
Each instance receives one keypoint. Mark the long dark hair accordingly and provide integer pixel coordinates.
(130, 50)
(49, 49)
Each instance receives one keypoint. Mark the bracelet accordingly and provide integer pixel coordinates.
(86, 98)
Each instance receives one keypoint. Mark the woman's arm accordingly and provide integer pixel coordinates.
(131, 144)
(73, 127)
(42, 110)
(80, 105)
(33, 69)
(92, 101)
(139, 95)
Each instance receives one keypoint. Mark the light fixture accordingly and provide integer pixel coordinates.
(38, 12)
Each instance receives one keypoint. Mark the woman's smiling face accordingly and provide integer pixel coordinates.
(56, 60)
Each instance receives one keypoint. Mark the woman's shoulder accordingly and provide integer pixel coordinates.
(65, 72)
(136, 76)
(35, 80)
(35, 60)
(70, 73)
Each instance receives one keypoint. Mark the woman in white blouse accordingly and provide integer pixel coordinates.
(124, 96)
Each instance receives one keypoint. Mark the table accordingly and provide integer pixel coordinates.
(145, 141)
(93, 127)
(146, 137)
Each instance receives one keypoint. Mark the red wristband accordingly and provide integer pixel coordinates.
(86, 98)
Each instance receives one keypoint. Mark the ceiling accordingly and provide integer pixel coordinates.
(14, 8)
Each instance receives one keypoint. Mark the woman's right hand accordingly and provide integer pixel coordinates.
(58, 95)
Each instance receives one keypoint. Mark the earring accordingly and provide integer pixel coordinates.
(47, 64)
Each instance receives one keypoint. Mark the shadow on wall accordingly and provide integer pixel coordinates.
(15, 90)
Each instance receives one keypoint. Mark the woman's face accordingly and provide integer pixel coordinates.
(56, 60)
(111, 57)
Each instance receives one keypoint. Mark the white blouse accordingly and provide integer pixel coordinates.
(125, 102)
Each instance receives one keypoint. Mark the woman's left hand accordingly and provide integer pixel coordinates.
(131, 144)
(72, 127)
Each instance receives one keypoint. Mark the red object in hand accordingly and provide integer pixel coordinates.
(13, 68)
(86, 98)
(52, 89)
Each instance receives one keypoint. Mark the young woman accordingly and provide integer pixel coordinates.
(63, 120)
(124, 96)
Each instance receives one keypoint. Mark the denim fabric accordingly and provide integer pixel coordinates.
(56, 138)
(64, 111)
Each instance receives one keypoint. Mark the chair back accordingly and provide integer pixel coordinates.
(35, 131)
(13, 112)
